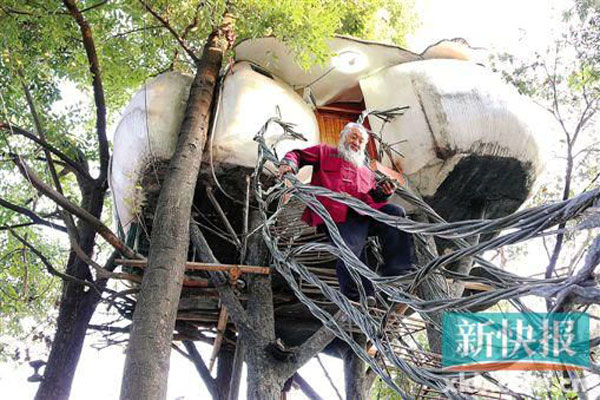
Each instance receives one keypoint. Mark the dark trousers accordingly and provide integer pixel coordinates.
(397, 248)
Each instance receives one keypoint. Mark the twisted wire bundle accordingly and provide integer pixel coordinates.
(523, 225)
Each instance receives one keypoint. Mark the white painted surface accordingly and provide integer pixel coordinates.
(456, 106)
(331, 81)
(150, 124)
(147, 131)
(249, 99)
(459, 107)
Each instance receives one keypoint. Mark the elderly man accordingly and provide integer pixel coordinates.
(344, 170)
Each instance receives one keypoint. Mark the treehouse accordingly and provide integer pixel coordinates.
(466, 142)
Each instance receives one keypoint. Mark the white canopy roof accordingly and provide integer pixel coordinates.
(337, 79)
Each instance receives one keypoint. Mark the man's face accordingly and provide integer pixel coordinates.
(355, 140)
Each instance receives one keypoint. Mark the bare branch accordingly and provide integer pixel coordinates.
(194, 22)
(587, 114)
(81, 213)
(35, 219)
(129, 32)
(576, 286)
(9, 10)
(112, 329)
(236, 310)
(50, 268)
(90, 49)
(38, 127)
(331, 383)
(103, 2)
(306, 388)
(101, 272)
(165, 23)
(307, 350)
(196, 359)
(68, 219)
(66, 159)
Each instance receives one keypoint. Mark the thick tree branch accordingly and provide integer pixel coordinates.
(191, 333)
(196, 359)
(67, 205)
(307, 350)
(90, 50)
(306, 388)
(575, 288)
(62, 156)
(35, 219)
(260, 299)
(370, 377)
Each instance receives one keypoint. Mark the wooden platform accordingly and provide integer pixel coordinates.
(200, 306)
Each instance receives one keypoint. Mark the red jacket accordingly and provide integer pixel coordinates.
(333, 172)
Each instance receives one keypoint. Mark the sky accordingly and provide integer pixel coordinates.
(517, 26)
(488, 23)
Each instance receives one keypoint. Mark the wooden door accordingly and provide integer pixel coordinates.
(333, 118)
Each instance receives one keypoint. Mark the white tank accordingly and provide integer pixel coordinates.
(457, 109)
(147, 131)
(150, 123)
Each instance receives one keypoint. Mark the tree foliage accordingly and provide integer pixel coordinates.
(42, 56)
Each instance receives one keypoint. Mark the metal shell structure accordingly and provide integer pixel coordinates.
(468, 143)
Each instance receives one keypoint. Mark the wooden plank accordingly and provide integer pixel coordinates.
(221, 325)
(195, 283)
(198, 266)
(189, 316)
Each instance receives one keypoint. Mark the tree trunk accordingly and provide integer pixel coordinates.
(77, 306)
(236, 373)
(225, 366)
(264, 380)
(147, 360)
(355, 372)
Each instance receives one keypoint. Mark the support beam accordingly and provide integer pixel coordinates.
(195, 357)
(221, 324)
(200, 266)
(305, 387)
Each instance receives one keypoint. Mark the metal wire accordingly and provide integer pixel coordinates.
(523, 225)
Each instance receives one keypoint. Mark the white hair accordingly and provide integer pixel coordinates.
(355, 157)
(353, 125)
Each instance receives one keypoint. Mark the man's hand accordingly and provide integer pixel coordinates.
(387, 186)
(284, 169)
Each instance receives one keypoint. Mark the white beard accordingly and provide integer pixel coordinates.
(355, 157)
